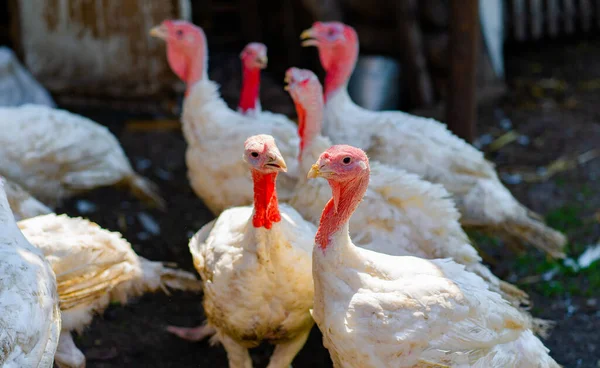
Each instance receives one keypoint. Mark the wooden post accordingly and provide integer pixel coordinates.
(461, 107)
(412, 54)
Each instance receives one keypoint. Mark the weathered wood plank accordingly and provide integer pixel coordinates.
(97, 48)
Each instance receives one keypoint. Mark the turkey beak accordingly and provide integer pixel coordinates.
(277, 162)
(286, 81)
(159, 32)
(262, 61)
(319, 170)
(314, 171)
(308, 37)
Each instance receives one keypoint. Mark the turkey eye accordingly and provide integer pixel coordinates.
(179, 33)
(346, 160)
(331, 33)
(254, 154)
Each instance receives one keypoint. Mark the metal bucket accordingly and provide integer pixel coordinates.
(375, 83)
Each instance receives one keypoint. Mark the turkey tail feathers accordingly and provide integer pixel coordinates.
(542, 327)
(514, 293)
(537, 234)
(157, 275)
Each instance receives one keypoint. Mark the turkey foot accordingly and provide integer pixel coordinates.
(192, 333)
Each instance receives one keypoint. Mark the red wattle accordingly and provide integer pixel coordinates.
(249, 94)
(346, 198)
(337, 76)
(266, 206)
(326, 228)
(301, 112)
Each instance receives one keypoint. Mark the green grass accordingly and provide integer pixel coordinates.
(587, 191)
(566, 218)
(565, 280)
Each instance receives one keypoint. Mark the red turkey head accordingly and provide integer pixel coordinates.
(341, 163)
(262, 154)
(186, 48)
(254, 56)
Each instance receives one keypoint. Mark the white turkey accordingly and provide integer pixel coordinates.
(213, 131)
(54, 154)
(94, 267)
(382, 311)
(29, 312)
(255, 262)
(400, 213)
(421, 146)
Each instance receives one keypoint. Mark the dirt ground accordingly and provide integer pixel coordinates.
(553, 103)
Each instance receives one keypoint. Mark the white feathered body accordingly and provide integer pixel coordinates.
(54, 154)
(423, 146)
(257, 282)
(379, 311)
(30, 320)
(214, 132)
(400, 214)
(94, 266)
(416, 144)
(23, 204)
(426, 147)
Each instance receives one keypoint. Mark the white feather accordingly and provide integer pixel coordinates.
(400, 214)
(377, 311)
(214, 134)
(257, 282)
(93, 267)
(23, 204)
(29, 313)
(55, 154)
(425, 147)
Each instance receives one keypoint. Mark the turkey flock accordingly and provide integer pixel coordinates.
(353, 219)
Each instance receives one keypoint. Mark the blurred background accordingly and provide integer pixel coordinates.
(520, 79)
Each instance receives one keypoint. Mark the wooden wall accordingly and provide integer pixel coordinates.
(96, 48)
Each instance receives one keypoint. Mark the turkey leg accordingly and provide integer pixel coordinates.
(285, 353)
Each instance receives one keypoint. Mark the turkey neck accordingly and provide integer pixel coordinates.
(192, 66)
(346, 198)
(340, 70)
(309, 123)
(266, 207)
(197, 73)
(249, 96)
